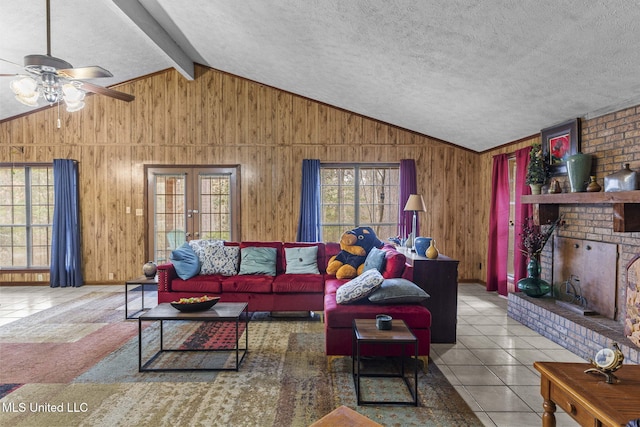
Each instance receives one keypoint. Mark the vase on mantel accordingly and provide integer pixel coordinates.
(578, 170)
(533, 285)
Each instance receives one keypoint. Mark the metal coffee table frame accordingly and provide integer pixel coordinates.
(221, 312)
(138, 281)
(365, 332)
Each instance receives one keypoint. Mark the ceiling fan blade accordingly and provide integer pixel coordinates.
(90, 87)
(9, 75)
(82, 73)
(12, 63)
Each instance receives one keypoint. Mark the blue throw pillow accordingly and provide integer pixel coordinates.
(375, 259)
(185, 261)
(258, 260)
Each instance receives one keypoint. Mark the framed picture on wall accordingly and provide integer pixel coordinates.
(558, 143)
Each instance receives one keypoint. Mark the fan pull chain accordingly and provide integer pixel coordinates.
(58, 114)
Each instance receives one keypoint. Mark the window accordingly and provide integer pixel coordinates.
(26, 216)
(355, 195)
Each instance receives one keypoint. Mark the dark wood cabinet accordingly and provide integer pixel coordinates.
(439, 278)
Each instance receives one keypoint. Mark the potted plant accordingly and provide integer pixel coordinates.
(536, 169)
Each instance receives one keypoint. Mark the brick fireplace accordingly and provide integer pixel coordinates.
(613, 140)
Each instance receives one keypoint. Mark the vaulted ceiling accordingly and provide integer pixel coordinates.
(478, 74)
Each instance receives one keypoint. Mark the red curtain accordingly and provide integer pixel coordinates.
(498, 226)
(522, 212)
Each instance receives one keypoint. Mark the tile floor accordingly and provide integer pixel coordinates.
(491, 365)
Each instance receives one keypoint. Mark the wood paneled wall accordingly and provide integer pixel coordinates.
(220, 119)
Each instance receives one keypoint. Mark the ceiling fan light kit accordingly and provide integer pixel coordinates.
(56, 80)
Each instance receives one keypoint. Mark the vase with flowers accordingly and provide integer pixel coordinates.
(536, 169)
(534, 238)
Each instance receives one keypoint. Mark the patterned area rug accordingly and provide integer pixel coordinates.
(88, 375)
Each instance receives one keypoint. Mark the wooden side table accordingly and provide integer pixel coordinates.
(587, 398)
(439, 278)
(365, 332)
(138, 281)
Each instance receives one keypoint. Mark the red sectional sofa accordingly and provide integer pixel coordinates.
(339, 317)
(304, 292)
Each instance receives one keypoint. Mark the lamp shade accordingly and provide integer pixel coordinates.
(415, 203)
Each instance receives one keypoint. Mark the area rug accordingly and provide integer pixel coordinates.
(87, 375)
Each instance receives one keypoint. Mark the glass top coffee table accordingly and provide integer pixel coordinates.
(366, 332)
(229, 312)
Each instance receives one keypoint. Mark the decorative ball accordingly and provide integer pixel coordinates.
(150, 269)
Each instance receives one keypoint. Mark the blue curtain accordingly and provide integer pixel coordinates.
(66, 268)
(309, 221)
(408, 186)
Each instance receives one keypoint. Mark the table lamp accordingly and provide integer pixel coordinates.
(415, 203)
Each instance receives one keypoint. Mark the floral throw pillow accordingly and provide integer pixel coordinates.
(220, 259)
(360, 287)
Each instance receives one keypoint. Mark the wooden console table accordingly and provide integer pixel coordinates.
(439, 278)
(587, 397)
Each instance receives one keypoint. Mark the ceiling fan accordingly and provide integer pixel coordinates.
(56, 80)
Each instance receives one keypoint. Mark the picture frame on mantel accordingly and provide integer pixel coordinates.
(559, 142)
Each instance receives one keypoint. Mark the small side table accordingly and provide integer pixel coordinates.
(138, 281)
(365, 332)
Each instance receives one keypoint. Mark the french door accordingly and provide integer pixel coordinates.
(190, 202)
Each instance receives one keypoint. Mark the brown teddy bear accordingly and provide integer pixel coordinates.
(355, 245)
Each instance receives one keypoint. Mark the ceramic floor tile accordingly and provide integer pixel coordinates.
(512, 419)
(507, 341)
(515, 375)
(462, 391)
(477, 341)
(495, 357)
(497, 398)
(563, 355)
(476, 375)
(530, 394)
(458, 356)
(528, 356)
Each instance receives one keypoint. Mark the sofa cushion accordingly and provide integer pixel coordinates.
(220, 259)
(198, 284)
(185, 261)
(359, 287)
(394, 262)
(296, 283)
(301, 260)
(398, 291)
(255, 260)
(337, 315)
(257, 284)
(375, 259)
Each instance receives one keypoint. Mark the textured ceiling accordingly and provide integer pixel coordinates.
(477, 74)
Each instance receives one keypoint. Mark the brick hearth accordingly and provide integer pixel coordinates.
(582, 335)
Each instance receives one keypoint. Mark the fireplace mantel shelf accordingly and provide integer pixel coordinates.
(626, 206)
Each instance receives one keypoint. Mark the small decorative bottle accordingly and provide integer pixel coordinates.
(593, 186)
(432, 252)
